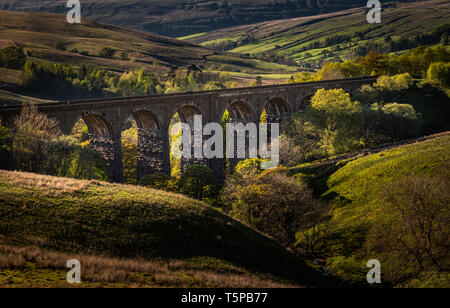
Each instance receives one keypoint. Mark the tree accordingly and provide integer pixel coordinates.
(440, 72)
(330, 71)
(198, 182)
(5, 147)
(32, 134)
(400, 121)
(13, 57)
(338, 118)
(129, 161)
(87, 164)
(272, 202)
(417, 239)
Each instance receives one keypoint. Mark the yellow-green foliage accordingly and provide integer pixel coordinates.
(338, 118)
(394, 83)
(440, 72)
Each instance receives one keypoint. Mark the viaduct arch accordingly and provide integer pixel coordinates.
(106, 118)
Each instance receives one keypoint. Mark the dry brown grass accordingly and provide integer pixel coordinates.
(48, 185)
(135, 272)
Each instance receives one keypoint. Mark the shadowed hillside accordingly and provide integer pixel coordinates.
(91, 217)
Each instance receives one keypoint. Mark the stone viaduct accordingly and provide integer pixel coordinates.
(106, 117)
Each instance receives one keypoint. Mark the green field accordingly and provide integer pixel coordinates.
(355, 189)
(189, 238)
(288, 37)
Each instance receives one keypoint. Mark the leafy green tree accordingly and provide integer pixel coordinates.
(330, 71)
(198, 182)
(400, 121)
(339, 119)
(87, 164)
(395, 83)
(13, 57)
(440, 72)
(272, 202)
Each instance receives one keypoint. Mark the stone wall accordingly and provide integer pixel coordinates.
(150, 155)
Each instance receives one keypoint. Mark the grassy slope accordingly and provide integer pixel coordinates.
(185, 17)
(126, 221)
(354, 188)
(287, 37)
(38, 33)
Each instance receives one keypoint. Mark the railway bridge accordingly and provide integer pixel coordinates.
(106, 117)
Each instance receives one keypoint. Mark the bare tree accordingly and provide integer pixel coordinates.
(31, 134)
(418, 238)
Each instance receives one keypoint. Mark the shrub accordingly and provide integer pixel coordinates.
(106, 52)
(60, 46)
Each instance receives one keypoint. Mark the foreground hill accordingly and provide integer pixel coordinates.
(183, 17)
(178, 241)
(339, 35)
(356, 191)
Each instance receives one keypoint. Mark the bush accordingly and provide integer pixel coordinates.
(198, 182)
(106, 52)
(60, 46)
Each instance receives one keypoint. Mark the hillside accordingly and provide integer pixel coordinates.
(38, 33)
(355, 190)
(152, 230)
(184, 17)
(50, 38)
(334, 36)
